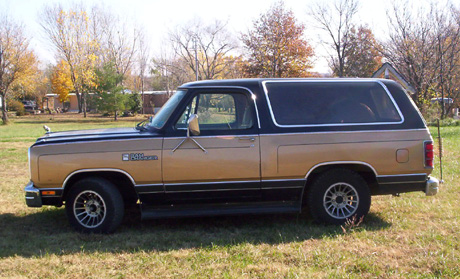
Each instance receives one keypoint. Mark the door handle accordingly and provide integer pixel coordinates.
(247, 138)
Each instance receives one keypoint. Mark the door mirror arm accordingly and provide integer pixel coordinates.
(193, 128)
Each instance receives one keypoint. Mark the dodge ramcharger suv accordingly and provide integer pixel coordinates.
(242, 146)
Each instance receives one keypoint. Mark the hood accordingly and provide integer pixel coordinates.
(93, 135)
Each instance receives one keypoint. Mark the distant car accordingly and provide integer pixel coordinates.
(242, 146)
(440, 100)
(30, 106)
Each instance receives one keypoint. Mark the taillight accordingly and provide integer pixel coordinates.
(429, 155)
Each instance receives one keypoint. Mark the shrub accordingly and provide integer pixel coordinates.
(18, 107)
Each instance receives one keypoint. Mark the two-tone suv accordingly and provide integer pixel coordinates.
(242, 146)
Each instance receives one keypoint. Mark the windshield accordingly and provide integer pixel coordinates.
(165, 112)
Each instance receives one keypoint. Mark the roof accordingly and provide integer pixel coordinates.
(257, 81)
(387, 68)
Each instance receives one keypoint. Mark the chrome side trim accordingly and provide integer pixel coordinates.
(214, 182)
(216, 136)
(287, 187)
(340, 163)
(148, 185)
(332, 124)
(253, 96)
(214, 190)
(94, 170)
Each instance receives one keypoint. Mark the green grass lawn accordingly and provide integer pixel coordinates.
(411, 236)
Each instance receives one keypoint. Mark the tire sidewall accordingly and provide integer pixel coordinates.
(329, 178)
(114, 205)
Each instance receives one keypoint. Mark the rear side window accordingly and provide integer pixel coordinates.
(331, 103)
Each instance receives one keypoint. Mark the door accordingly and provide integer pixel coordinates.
(222, 164)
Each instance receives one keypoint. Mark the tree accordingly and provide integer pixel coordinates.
(201, 48)
(362, 55)
(117, 38)
(425, 47)
(336, 19)
(70, 32)
(143, 58)
(275, 46)
(61, 82)
(109, 90)
(17, 62)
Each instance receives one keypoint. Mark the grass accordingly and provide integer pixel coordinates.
(411, 236)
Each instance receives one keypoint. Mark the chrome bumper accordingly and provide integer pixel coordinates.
(33, 198)
(432, 186)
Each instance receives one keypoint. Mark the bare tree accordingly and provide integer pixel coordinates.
(447, 33)
(70, 34)
(337, 20)
(425, 48)
(119, 40)
(203, 47)
(143, 57)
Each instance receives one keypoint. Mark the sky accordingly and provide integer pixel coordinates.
(159, 16)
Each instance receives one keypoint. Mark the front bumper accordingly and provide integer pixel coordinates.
(33, 197)
(432, 186)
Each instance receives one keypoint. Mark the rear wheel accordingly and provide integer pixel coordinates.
(338, 195)
(94, 205)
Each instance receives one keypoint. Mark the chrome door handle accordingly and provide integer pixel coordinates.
(247, 138)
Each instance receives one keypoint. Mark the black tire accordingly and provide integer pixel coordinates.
(94, 205)
(338, 195)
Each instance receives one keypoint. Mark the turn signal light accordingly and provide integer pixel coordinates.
(48, 193)
(429, 155)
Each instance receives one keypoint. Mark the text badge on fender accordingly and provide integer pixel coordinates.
(138, 157)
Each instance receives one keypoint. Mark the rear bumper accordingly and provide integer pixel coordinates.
(392, 185)
(432, 186)
(33, 197)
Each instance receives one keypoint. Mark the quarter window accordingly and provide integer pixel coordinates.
(330, 103)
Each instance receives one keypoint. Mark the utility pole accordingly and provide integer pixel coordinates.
(196, 57)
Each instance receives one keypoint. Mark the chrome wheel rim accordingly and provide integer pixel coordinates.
(341, 200)
(89, 209)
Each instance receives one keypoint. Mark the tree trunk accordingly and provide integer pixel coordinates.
(84, 104)
(116, 116)
(4, 112)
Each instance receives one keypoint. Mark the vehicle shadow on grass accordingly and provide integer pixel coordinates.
(47, 232)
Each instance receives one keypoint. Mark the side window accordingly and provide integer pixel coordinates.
(330, 103)
(219, 111)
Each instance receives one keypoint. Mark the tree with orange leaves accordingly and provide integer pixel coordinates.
(275, 46)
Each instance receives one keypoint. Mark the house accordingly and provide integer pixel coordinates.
(387, 71)
(154, 100)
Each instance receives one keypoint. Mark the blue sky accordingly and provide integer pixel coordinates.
(159, 16)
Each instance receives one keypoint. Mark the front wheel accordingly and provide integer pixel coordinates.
(338, 195)
(94, 205)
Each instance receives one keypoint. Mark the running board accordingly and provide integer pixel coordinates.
(148, 212)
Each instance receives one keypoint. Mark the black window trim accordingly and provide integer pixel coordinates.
(253, 96)
(331, 124)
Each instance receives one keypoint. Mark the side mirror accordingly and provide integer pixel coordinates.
(193, 126)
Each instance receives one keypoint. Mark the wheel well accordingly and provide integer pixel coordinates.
(120, 180)
(366, 172)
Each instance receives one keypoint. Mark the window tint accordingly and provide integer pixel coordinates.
(316, 103)
(218, 112)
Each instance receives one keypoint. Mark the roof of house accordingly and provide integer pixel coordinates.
(386, 69)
